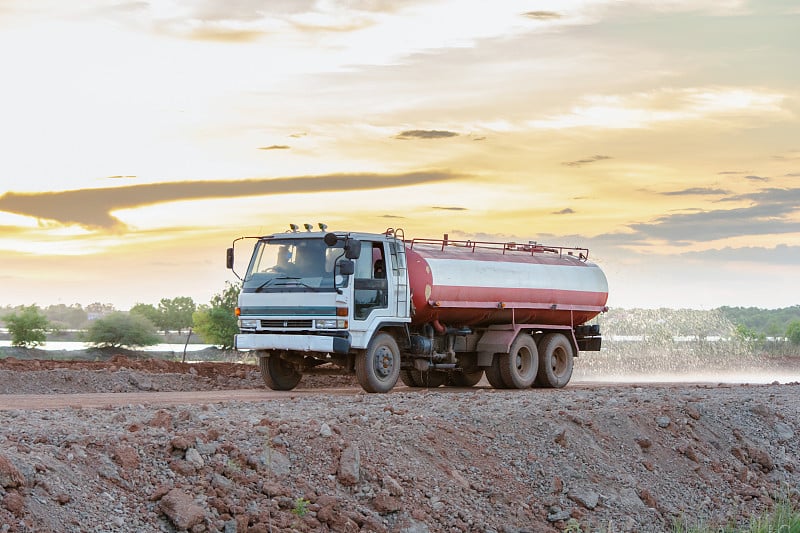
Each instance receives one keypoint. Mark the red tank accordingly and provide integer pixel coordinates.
(466, 283)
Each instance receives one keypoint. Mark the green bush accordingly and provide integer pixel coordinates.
(793, 332)
(216, 323)
(122, 329)
(28, 327)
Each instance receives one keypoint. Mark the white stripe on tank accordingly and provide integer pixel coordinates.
(507, 275)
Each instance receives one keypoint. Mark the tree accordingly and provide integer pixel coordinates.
(148, 311)
(176, 313)
(793, 332)
(28, 327)
(98, 309)
(122, 329)
(216, 323)
(67, 317)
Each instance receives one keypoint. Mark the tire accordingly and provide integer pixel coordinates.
(493, 374)
(408, 377)
(277, 373)
(465, 379)
(555, 361)
(378, 368)
(430, 379)
(518, 367)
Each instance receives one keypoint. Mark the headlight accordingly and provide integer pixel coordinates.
(330, 323)
(248, 324)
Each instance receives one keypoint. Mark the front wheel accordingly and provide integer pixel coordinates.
(278, 374)
(555, 361)
(378, 368)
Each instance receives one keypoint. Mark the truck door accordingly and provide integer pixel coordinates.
(371, 289)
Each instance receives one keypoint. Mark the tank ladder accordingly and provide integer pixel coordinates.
(397, 250)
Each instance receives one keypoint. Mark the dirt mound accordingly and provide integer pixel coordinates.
(115, 370)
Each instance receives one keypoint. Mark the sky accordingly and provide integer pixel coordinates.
(141, 137)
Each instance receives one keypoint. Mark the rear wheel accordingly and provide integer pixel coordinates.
(465, 379)
(409, 378)
(278, 373)
(493, 374)
(428, 379)
(431, 378)
(378, 368)
(555, 361)
(519, 366)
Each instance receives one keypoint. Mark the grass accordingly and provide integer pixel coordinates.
(783, 518)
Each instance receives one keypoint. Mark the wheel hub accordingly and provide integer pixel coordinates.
(384, 362)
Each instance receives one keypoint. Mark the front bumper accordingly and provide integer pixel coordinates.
(297, 343)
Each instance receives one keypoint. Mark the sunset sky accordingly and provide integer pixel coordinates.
(140, 138)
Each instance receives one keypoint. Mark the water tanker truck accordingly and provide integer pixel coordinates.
(429, 312)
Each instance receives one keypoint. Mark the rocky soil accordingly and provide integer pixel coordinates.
(605, 458)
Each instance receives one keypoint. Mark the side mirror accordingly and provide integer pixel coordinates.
(229, 258)
(346, 268)
(352, 250)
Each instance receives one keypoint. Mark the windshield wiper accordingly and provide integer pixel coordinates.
(292, 279)
(269, 281)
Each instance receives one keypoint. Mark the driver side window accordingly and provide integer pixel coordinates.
(371, 289)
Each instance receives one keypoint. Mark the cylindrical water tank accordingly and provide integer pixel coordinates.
(463, 285)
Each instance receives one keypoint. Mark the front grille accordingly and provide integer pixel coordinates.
(287, 323)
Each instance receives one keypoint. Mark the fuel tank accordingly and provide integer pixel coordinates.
(474, 284)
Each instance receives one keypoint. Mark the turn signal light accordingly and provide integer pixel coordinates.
(341, 311)
(237, 311)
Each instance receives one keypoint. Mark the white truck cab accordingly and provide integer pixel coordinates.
(317, 297)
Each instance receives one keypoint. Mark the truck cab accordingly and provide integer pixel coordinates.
(311, 298)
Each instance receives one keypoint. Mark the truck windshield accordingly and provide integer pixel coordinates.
(289, 264)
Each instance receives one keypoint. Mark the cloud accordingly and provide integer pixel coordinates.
(425, 134)
(588, 160)
(771, 213)
(566, 211)
(793, 155)
(225, 35)
(642, 110)
(441, 208)
(782, 254)
(298, 135)
(792, 175)
(542, 15)
(695, 191)
(120, 177)
(747, 175)
(391, 216)
(93, 208)
(275, 147)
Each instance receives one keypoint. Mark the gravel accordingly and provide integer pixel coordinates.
(585, 458)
